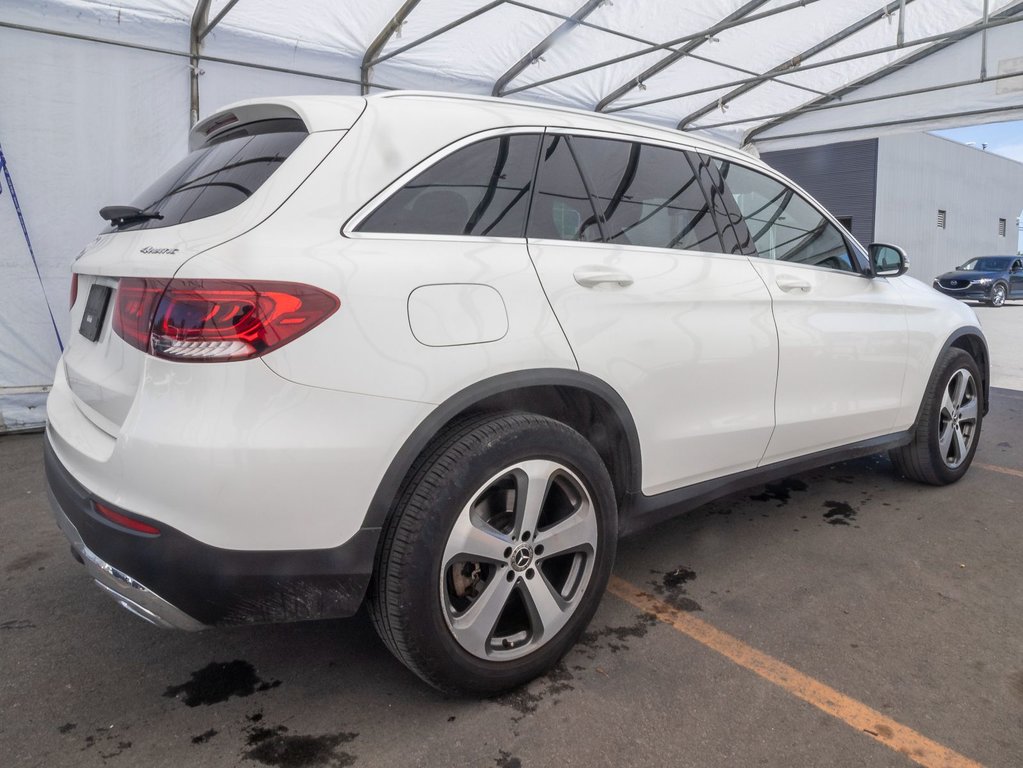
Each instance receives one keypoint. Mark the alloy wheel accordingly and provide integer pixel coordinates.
(957, 419)
(518, 560)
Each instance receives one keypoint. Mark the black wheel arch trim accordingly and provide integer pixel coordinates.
(984, 364)
(475, 394)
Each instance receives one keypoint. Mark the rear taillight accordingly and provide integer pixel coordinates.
(74, 289)
(216, 320)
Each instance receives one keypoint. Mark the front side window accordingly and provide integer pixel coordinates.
(646, 195)
(782, 225)
(480, 190)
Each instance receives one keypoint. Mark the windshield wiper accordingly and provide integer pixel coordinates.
(119, 215)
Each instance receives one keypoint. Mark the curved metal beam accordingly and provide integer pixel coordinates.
(953, 35)
(380, 41)
(438, 32)
(648, 46)
(200, 16)
(217, 19)
(544, 45)
(1002, 17)
(796, 60)
(729, 21)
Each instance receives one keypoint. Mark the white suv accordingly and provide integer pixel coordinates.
(438, 353)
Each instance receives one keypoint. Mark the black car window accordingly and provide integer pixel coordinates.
(735, 235)
(646, 195)
(783, 225)
(562, 209)
(220, 175)
(481, 190)
(988, 264)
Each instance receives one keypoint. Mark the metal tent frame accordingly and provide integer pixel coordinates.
(677, 51)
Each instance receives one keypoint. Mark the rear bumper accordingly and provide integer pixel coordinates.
(175, 581)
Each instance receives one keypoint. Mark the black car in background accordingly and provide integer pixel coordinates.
(993, 279)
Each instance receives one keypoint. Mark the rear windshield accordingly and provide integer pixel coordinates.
(219, 175)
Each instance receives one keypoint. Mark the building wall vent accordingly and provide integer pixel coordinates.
(941, 219)
(1001, 227)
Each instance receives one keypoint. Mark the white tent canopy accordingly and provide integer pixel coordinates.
(96, 96)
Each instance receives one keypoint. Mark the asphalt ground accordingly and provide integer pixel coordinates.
(844, 617)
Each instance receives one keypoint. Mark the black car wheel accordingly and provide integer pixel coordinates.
(497, 555)
(948, 427)
(998, 295)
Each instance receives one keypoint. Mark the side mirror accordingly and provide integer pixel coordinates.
(887, 260)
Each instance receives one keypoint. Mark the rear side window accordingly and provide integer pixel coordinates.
(562, 209)
(646, 195)
(480, 190)
(220, 175)
(783, 225)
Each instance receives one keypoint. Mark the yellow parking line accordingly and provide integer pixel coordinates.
(996, 468)
(878, 726)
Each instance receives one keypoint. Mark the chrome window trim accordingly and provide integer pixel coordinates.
(737, 157)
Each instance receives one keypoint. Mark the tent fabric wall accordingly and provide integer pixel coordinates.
(85, 123)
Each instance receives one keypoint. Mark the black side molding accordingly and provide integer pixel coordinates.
(650, 510)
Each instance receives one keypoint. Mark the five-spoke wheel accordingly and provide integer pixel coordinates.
(948, 427)
(957, 420)
(497, 553)
(518, 559)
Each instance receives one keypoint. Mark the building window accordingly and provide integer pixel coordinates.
(1001, 227)
(941, 219)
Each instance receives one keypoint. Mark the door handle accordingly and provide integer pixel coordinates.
(591, 277)
(791, 284)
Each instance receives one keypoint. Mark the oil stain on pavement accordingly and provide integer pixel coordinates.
(281, 749)
(219, 681)
(672, 588)
(839, 513)
(780, 491)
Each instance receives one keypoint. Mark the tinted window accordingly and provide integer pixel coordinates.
(646, 195)
(481, 190)
(561, 209)
(735, 236)
(221, 175)
(782, 224)
(989, 263)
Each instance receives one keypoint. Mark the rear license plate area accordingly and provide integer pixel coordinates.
(95, 311)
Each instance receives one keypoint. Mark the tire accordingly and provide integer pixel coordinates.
(493, 622)
(998, 295)
(948, 427)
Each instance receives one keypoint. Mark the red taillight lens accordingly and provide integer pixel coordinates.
(216, 320)
(74, 289)
(124, 521)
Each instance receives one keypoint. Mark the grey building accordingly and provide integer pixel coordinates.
(942, 201)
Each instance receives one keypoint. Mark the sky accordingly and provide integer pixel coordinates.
(1001, 138)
